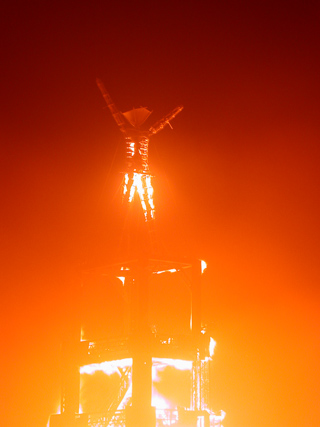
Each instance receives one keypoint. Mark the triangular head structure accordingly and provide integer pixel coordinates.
(137, 178)
(137, 116)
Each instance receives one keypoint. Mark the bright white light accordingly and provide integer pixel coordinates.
(171, 270)
(212, 346)
(125, 399)
(160, 402)
(182, 365)
(122, 279)
(203, 266)
(108, 368)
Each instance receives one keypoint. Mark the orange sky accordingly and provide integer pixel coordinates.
(236, 184)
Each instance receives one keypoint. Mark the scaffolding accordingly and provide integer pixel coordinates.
(141, 345)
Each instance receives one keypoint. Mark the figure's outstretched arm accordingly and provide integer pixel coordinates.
(160, 124)
(117, 115)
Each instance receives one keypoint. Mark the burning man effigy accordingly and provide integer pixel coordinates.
(137, 178)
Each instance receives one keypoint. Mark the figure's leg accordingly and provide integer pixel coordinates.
(146, 197)
(128, 188)
(149, 193)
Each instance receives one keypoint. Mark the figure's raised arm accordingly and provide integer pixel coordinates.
(160, 124)
(117, 115)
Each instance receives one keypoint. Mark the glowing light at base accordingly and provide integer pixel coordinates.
(158, 366)
(167, 411)
(122, 278)
(212, 346)
(215, 420)
(172, 379)
(140, 183)
(181, 365)
(171, 270)
(57, 411)
(203, 265)
(108, 368)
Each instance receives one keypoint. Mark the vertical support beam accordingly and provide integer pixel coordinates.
(196, 334)
(141, 412)
(70, 378)
(196, 383)
(196, 300)
(70, 360)
(205, 391)
(70, 386)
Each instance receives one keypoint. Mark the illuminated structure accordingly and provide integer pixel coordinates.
(137, 177)
(140, 348)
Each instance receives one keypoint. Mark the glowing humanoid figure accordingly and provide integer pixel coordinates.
(137, 178)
